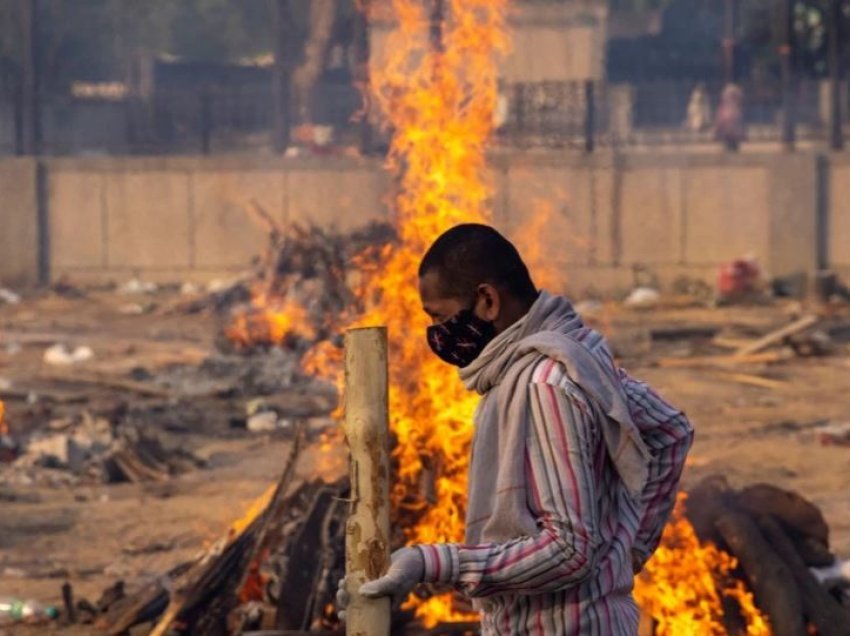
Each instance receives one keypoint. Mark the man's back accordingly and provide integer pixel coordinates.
(575, 576)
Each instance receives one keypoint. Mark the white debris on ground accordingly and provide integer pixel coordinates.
(9, 297)
(643, 297)
(61, 355)
(136, 286)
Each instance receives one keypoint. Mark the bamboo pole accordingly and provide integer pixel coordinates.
(367, 550)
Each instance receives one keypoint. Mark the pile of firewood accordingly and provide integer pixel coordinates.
(320, 271)
(279, 571)
(777, 536)
(276, 573)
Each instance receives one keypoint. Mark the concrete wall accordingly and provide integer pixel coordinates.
(837, 215)
(19, 240)
(190, 218)
(583, 222)
(666, 216)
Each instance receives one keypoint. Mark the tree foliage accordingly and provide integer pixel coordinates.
(99, 39)
(690, 43)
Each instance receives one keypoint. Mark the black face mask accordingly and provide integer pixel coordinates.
(461, 338)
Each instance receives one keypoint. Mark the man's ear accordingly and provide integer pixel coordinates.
(488, 304)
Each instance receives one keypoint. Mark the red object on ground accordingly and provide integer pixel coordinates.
(738, 278)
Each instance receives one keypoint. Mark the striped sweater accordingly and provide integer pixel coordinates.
(575, 575)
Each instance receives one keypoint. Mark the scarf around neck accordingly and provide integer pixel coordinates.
(503, 373)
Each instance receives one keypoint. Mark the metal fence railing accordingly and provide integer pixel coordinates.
(585, 115)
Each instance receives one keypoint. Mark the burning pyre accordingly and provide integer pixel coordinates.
(684, 583)
(437, 87)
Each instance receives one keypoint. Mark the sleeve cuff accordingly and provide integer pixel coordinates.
(441, 562)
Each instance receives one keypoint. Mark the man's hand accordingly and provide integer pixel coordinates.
(406, 570)
(343, 598)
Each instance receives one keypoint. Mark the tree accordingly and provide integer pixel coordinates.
(103, 39)
(690, 43)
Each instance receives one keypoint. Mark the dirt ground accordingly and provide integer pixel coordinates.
(94, 534)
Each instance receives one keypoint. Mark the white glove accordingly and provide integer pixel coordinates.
(405, 572)
(343, 598)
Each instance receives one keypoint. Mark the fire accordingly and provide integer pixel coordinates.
(530, 241)
(4, 429)
(684, 582)
(438, 98)
(270, 321)
(256, 508)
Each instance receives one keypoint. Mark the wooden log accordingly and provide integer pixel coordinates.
(750, 379)
(303, 565)
(723, 361)
(77, 377)
(772, 581)
(707, 501)
(820, 608)
(367, 546)
(68, 603)
(730, 342)
(221, 576)
(273, 515)
(800, 518)
(777, 335)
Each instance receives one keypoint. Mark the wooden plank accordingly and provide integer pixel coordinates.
(729, 342)
(121, 384)
(778, 335)
(752, 380)
(723, 361)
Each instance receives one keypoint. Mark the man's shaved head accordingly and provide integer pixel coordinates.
(471, 254)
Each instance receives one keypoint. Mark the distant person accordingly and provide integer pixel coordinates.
(698, 118)
(729, 124)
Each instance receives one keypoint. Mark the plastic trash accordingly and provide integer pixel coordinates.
(14, 610)
(9, 297)
(136, 286)
(838, 572)
(643, 297)
(62, 355)
(738, 278)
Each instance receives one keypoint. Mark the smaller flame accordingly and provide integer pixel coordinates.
(683, 583)
(438, 609)
(270, 321)
(4, 429)
(256, 508)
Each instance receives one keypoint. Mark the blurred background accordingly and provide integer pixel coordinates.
(211, 76)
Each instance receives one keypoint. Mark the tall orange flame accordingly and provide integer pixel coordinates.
(438, 99)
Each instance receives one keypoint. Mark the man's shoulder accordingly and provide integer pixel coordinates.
(548, 370)
(551, 372)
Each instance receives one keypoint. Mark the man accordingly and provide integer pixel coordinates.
(574, 464)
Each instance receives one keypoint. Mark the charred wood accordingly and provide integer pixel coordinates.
(820, 608)
(771, 579)
(801, 519)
